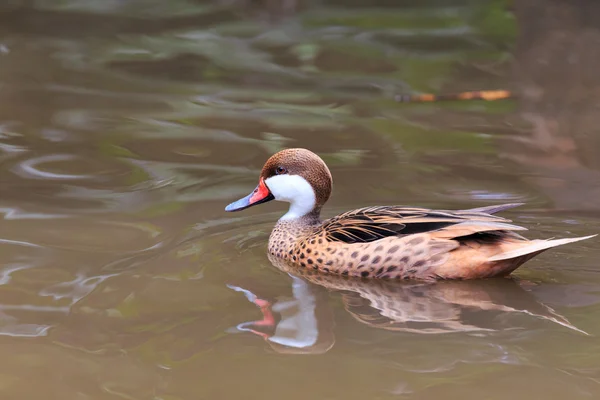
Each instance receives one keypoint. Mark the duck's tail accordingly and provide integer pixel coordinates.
(493, 209)
(535, 247)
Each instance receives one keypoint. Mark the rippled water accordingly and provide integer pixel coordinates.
(126, 126)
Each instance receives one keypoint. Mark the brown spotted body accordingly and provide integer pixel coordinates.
(385, 242)
(387, 258)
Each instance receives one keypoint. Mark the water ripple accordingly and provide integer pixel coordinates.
(29, 168)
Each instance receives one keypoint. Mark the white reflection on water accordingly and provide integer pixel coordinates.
(9, 326)
(16, 213)
(75, 289)
(29, 168)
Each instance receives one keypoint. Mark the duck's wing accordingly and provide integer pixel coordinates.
(372, 223)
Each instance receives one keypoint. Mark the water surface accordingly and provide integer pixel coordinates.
(127, 126)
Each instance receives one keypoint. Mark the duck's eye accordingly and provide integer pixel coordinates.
(280, 170)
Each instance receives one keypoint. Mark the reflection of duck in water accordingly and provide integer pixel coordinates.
(389, 242)
(304, 323)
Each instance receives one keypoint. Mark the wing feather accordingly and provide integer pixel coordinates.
(372, 223)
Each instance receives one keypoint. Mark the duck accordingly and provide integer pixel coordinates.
(384, 242)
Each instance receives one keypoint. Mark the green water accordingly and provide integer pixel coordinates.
(126, 126)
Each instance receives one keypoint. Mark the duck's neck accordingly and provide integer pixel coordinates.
(287, 232)
(300, 215)
(302, 209)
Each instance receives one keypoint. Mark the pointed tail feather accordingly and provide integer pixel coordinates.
(536, 247)
(495, 208)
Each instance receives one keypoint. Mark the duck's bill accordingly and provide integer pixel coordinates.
(260, 195)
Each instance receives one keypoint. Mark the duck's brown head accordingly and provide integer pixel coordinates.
(297, 176)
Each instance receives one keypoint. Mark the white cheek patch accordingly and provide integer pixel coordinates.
(295, 190)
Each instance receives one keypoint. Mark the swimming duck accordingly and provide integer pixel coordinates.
(389, 242)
